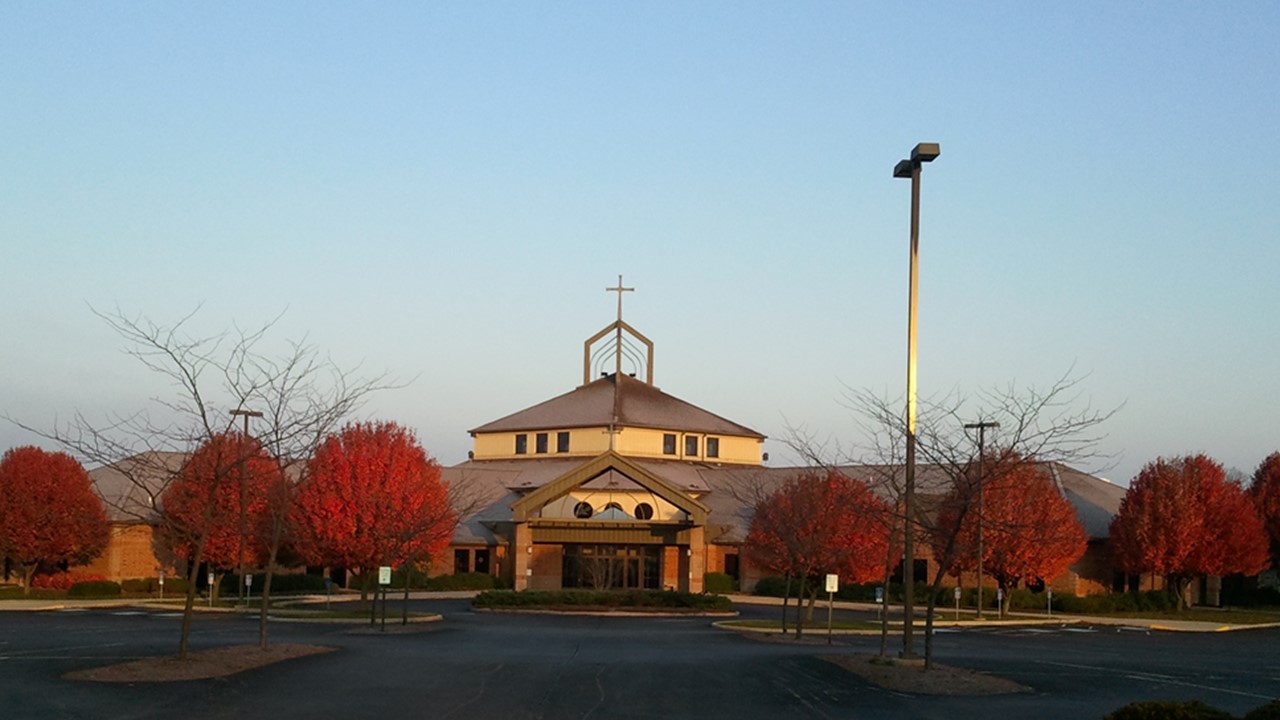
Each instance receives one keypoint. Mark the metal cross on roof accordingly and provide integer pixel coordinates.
(617, 372)
(620, 290)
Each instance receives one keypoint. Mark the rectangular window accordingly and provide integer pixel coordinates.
(562, 442)
(668, 444)
(713, 447)
(541, 441)
(461, 561)
(522, 444)
(691, 445)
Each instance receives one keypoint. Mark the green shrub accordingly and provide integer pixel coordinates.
(94, 589)
(461, 581)
(586, 599)
(773, 586)
(1270, 711)
(280, 584)
(720, 583)
(1169, 710)
(151, 586)
(293, 583)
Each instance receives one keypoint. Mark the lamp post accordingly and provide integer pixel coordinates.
(981, 427)
(246, 414)
(920, 154)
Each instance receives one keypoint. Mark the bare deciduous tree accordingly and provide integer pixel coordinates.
(302, 395)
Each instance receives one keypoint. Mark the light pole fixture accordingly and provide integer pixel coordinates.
(244, 467)
(910, 168)
(981, 427)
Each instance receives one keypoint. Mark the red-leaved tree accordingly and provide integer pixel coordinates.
(1182, 518)
(1029, 530)
(1265, 491)
(49, 512)
(819, 523)
(372, 497)
(221, 495)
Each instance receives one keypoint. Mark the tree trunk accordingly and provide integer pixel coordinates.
(786, 595)
(408, 577)
(28, 572)
(800, 594)
(884, 611)
(188, 608)
(263, 641)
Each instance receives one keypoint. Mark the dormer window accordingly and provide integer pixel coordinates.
(522, 444)
(691, 445)
(713, 447)
(562, 442)
(540, 441)
(669, 444)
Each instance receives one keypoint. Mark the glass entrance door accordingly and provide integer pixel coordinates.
(610, 567)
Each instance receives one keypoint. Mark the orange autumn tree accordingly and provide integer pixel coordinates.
(819, 523)
(49, 512)
(1182, 518)
(219, 498)
(372, 497)
(1265, 492)
(1029, 530)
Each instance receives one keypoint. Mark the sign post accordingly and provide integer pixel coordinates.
(210, 580)
(384, 579)
(957, 593)
(880, 601)
(161, 584)
(1049, 604)
(833, 585)
(248, 587)
(1000, 601)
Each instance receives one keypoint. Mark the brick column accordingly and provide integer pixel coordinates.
(521, 556)
(697, 559)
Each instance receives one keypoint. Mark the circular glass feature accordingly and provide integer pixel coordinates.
(644, 511)
(583, 510)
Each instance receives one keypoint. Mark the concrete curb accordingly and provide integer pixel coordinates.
(605, 613)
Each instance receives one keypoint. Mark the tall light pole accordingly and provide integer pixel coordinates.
(920, 154)
(981, 427)
(243, 469)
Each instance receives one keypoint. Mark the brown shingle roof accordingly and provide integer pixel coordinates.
(638, 405)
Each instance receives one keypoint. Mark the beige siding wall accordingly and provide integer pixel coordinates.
(632, 442)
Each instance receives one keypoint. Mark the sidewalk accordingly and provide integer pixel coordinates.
(945, 617)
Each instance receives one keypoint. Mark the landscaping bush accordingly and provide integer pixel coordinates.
(293, 583)
(1270, 711)
(587, 599)
(1169, 710)
(462, 581)
(94, 589)
(719, 583)
(151, 586)
(773, 586)
(63, 580)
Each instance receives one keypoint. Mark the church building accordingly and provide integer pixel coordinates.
(618, 484)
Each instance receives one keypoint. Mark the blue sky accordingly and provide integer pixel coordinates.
(444, 190)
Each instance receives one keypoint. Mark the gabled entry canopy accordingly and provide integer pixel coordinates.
(526, 507)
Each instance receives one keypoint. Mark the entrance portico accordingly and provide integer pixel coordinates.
(608, 523)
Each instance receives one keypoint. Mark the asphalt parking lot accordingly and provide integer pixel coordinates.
(474, 665)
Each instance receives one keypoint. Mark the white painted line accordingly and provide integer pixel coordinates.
(1153, 678)
(129, 612)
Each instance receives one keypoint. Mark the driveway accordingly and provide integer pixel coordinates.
(475, 665)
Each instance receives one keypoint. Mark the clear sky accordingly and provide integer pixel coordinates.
(444, 190)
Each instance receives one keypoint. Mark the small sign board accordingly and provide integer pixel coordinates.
(162, 577)
(384, 575)
(833, 583)
(248, 581)
(957, 593)
(210, 578)
(880, 594)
